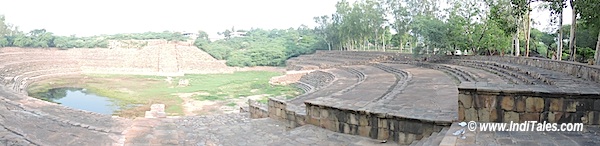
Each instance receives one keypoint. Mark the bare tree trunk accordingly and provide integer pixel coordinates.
(572, 49)
(517, 47)
(597, 56)
(528, 34)
(548, 52)
(560, 36)
(383, 39)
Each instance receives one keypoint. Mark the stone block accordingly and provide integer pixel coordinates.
(507, 103)
(465, 100)
(427, 129)
(353, 129)
(511, 116)
(593, 118)
(290, 115)
(279, 113)
(301, 119)
(313, 121)
(484, 114)
(413, 126)
(496, 115)
(330, 125)
(383, 133)
(554, 117)
(529, 117)
(315, 112)
(461, 113)
(556, 104)
(573, 117)
(324, 113)
(363, 120)
(340, 116)
(345, 128)
(364, 130)
(406, 138)
(534, 104)
(149, 114)
(160, 114)
(570, 105)
(157, 107)
(382, 123)
(519, 104)
(353, 118)
(393, 125)
(596, 106)
(374, 132)
(471, 114)
(485, 101)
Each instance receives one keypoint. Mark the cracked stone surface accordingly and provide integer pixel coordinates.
(233, 129)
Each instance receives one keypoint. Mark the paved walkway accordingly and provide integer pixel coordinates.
(234, 130)
(430, 95)
(589, 137)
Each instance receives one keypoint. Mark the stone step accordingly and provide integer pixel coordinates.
(449, 139)
(438, 138)
(422, 141)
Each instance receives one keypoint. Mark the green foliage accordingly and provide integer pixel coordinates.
(262, 47)
(40, 38)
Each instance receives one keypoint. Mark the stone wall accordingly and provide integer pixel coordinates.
(292, 115)
(380, 126)
(486, 102)
(584, 71)
(257, 110)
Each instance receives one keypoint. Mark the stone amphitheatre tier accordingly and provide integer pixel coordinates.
(408, 100)
(29, 121)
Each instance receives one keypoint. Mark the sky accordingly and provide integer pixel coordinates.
(94, 17)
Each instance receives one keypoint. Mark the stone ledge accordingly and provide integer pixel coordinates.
(377, 124)
(530, 90)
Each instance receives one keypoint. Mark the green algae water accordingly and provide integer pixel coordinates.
(79, 98)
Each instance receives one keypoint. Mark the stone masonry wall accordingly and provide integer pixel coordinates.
(584, 71)
(486, 102)
(374, 125)
(257, 110)
(290, 114)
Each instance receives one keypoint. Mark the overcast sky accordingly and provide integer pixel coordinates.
(94, 17)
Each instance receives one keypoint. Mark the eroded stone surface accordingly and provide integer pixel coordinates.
(233, 129)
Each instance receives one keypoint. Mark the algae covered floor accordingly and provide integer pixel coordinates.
(183, 96)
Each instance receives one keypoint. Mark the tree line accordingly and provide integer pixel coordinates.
(11, 36)
(483, 27)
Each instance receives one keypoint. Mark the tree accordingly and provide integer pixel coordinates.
(556, 13)
(588, 10)
(572, 39)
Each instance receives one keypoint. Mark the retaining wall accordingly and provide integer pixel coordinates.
(485, 102)
(382, 126)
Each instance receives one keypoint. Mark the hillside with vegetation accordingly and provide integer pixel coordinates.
(11, 36)
(259, 47)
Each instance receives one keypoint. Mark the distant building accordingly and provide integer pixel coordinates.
(237, 34)
(190, 35)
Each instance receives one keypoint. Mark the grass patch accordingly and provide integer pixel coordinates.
(146, 90)
(231, 104)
